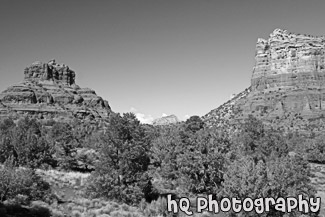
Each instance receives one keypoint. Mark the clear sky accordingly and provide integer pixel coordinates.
(152, 57)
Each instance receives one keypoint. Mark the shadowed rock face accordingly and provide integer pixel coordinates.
(288, 80)
(49, 91)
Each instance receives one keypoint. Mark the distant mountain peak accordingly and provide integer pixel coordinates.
(166, 120)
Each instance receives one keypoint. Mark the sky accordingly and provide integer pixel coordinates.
(150, 57)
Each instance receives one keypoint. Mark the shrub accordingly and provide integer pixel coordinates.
(24, 182)
(280, 177)
(25, 142)
(156, 208)
(188, 161)
(315, 149)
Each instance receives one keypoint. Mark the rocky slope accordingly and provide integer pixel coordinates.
(222, 115)
(288, 83)
(170, 119)
(49, 91)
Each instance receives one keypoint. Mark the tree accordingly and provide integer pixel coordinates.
(26, 142)
(6, 146)
(30, 145)
(194, 124)
(247, 138)
(163, 153)
(255, 140)
(189, 163)
(121, 172)
(202, 161)
(260, 166)
(278, 177)
(245, 178)
(65, 144)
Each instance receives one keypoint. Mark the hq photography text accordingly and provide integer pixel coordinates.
(259, 205)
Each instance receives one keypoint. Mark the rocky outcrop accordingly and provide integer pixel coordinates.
(170, 119)
(289, 76)
(289, 61)
(50, 71)
(288, 80)
(49, 91)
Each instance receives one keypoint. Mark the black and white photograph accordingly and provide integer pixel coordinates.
(162, 108)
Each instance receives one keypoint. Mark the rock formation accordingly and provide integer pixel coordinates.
(50, 71)
(288, 80)
(49, 91)
(170, 119)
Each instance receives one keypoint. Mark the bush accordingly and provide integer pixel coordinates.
(280, 177)
(25, 142)
(189, 161)
(315, 149)
(201, 162)
(255, 140)
(16, 183)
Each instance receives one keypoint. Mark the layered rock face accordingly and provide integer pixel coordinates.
(289, 76)
(49, 91)
(288, 80)
(289, 61)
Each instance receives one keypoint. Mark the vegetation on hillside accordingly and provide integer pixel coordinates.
(134, 164)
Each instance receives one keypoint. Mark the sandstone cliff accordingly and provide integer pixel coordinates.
(49, 91)
(288, 81)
